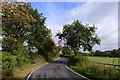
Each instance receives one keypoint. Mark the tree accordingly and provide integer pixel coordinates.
(98, 53)
(22, 24)
(15, 23)
(60, 47)
(115, 53)
(24, 33)
(66, 50)
(39, 34)
(77, 36)
(106, 53)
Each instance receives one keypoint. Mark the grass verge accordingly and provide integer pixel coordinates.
(20, 73)
(92, 75)
(84, 66)
(23, 72)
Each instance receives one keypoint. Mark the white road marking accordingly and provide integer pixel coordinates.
(33, 72)
(74, 71)
(66, 67)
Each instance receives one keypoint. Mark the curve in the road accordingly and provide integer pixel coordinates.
(56, 70)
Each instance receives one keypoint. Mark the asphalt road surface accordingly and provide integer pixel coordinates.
(55, 70)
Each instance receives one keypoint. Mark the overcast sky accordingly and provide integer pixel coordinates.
(103, 14)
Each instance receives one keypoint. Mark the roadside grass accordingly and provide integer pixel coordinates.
(106, 60)
(24, 72)
(90, 75)
(21, 73)
(99, 74)
(84, 66)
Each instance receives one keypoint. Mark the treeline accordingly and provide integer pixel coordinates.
(25, 36)
(65, 51)
(108, 53)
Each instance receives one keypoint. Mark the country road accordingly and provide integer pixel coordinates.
(55, 70)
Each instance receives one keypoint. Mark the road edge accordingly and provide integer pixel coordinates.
(66, 67)
(33, 72)
(74, 71)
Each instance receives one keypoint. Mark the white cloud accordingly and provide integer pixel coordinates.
(55, 29)
(105, 17)
(103, 14)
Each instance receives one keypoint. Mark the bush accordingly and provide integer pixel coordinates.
(49, 56)
(78, 59)
(82, 65)
(11, 61)
(97, 72)
(87, 54)
(8, 63)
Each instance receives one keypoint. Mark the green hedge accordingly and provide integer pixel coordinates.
(78, 59)
(8, 63)
(82, 65)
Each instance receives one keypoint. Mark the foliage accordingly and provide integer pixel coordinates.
(24, 26)
(77, 36)
(97, 72)
(82, 65)
(51, 50)
(60, 47)
(38, 34)
(91, 70)
(15, 22)
(8, 63)
(115, 53)
(67, 50)
(87, 54)
(109, 53)
(25, 36)
(78, 59)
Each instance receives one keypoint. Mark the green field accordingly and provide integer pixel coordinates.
(106, 60)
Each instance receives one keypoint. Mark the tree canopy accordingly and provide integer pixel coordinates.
(15, 23)
(22, 24)
(78, 36)
(25, 36)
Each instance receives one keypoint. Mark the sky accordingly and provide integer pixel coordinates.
(104, 15)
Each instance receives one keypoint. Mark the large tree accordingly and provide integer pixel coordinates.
(15, 24)
(38, 34)
(24, 31)
(78, 36)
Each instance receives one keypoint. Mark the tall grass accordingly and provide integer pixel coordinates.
(92, 71)
(21, 72)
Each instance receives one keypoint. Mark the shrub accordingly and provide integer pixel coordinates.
(78, 59)
(11, 61)
(8, 63)
(94, 71)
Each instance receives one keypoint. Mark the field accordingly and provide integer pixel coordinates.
(96, 71)
(105, 60)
